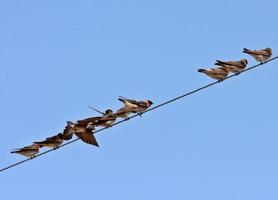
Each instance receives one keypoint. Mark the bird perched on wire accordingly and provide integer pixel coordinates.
(219, 73)
(132, 106)
(28, 151)
(261, 55)
(233, 66)
(107, 120)
(83, 130)
(123, 112)
(52, 142)
(88, 122)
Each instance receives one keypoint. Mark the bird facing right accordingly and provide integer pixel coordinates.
(52, 142)
(233, 66)
(107, 120)
(260, 55)
(28, 151)
(132, 106)
(219, 73)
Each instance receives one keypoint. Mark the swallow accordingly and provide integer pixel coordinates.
(107, 120)
(135, 106)
(123, 112)
(86, 136)
(233, 66)
(261, 55)
(52, 142)
(28, 151)
(82, 131)
(88, 123)
(219, 73)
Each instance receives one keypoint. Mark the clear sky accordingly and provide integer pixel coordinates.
(58, 57)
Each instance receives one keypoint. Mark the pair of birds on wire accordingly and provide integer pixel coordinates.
(84, 129)
(220, 73)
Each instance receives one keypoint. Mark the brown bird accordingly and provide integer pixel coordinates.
(107, 120)
(84, 132)
(219, 73)
(233, 66)
(88, 123)
(86, 135)
(28, 151)
(123, 112)
(52, 142)
(260, 55)
(134, 106)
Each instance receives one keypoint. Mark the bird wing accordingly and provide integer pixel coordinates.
(104, 120)
(52, 140)
(126, 100)
(260, 52)
(31, 147)
(42, 142)
(87, 137)
(84, 122)
(68, 132)
(53, 137)
(231, 63)
(142, 104)
(123, 110)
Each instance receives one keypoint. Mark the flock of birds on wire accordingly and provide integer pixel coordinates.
(84, 129)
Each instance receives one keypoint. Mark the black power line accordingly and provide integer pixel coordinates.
(136, 115)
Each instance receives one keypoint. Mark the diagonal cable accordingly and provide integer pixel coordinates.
(136, 115)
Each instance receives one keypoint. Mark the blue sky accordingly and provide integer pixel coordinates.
(58, 57)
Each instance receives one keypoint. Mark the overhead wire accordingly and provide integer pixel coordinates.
(136, 115)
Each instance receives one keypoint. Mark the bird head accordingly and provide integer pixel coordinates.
(269, 50)
(60, 136)
(244, 61)
(108, 111)
(149, 102)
